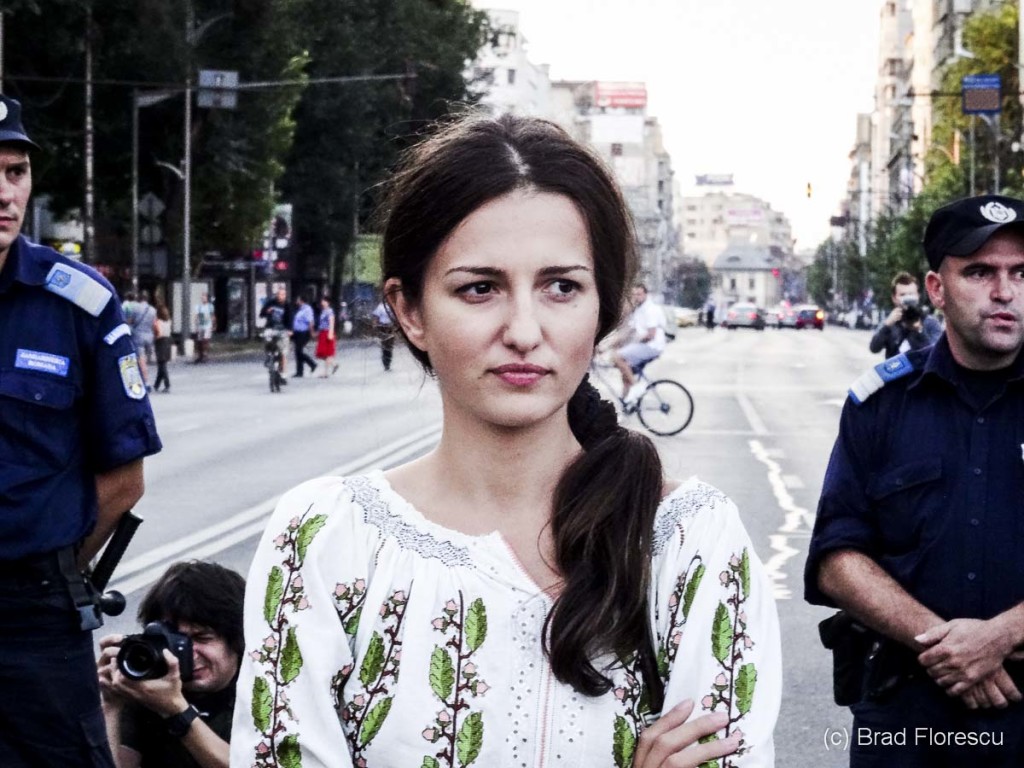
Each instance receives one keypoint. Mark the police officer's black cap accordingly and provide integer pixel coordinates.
(11, 129)
(961, 228)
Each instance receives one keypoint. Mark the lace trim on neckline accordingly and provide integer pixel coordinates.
(378, 513)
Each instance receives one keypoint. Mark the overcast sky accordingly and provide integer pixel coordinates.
(767, 90)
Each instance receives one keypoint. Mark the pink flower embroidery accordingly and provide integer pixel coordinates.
(620, 694)
(279, 541)
(297, 582)
(444, 717)
(303, 605)
(707, 702)
(721, 680)
(360, 585)
(481, 688)
(469, 670)
(451, 607)
(399, 596)
(430, 734)
(724, 578)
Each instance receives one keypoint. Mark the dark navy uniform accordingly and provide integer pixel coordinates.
(927, 479)
(72, 406)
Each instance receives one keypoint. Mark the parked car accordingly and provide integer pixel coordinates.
(744, 315)
(809, 316)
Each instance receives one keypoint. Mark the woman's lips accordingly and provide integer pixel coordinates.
(520, 374)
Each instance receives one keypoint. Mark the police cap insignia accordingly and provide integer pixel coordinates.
(11, 129)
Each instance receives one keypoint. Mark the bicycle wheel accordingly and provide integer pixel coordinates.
(665, 407)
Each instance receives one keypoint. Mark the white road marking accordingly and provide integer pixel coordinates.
(143, 570)
(793, 482)
(797, 523)
(753, 418)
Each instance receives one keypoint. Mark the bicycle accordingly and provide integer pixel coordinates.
(665, 407)
(273, 359)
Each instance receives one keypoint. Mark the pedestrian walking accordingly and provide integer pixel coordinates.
(384, 327)
(534, 590)
(709, 314)
(345, 316)
(75, 425)
(325, 338)
(162, 341)
(918, 532)
(143, 315)
(206, 324)
(302, 324)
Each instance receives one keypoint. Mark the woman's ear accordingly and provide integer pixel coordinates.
(406, 312)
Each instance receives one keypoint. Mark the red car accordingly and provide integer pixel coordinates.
(810, 316)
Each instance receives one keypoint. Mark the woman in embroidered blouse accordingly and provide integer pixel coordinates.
(530, 591)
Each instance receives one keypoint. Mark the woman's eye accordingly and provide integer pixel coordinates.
(476, 289)
(564, 287)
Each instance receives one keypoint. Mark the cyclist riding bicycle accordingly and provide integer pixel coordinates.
(277, 314)
(644, 342)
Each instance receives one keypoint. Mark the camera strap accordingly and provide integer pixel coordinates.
(81, 591)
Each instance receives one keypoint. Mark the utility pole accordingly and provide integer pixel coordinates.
(89, 216)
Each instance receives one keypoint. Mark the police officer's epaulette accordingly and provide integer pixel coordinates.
(873, 380)
(78, 287)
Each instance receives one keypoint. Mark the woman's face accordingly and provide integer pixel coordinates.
(509, 310)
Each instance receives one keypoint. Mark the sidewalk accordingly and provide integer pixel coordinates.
(225, 349)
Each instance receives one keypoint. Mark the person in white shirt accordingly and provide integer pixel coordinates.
(534, 590)
(646, 341)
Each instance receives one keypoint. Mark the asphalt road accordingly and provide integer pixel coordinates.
(767, 409)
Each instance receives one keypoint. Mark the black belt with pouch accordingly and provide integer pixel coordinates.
(866, 666)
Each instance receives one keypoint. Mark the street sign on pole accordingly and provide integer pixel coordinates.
(218, 89)
(981, 94)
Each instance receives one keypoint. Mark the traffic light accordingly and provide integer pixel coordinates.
(775, 272)
(808, 189)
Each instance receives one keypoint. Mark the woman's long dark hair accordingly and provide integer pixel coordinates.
(605, 501)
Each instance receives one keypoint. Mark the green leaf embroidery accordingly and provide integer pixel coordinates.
(721, 634)
(470, 739)
(442, 674)
(691, 590)
(275, 588)
(309, 529)
(476, 624)
(352, 624)
(745, 687)
(710, 764)
(374, 720)
(430, 762)
(745, 573)
(262, 704)
(289, 755)
(623, 743)
(373, 661)
(663, 668)
(291, 657)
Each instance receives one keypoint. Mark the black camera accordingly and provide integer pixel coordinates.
(141, 656)
(911, 314)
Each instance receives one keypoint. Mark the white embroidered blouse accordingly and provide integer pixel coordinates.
(377, 638)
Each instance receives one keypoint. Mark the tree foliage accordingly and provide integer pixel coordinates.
(894, 238)
(318, 146)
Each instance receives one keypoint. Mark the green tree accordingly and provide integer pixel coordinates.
(348, 135)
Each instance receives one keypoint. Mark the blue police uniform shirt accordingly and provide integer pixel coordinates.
(303, 319)
(72, 402)
(930, 485)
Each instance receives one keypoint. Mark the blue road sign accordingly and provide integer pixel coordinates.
(981, 94)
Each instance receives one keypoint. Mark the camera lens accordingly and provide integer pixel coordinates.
(140, 661)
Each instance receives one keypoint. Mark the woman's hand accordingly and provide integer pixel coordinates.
(673, 743)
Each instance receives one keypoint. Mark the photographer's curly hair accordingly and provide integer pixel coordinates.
(605, 501)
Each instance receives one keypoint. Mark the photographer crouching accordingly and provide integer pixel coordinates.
(168, 693)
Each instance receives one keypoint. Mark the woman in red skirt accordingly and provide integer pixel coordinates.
(325, 338)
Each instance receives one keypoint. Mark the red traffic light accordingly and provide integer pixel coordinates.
(775, 271)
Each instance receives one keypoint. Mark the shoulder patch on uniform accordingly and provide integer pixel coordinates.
(131, 376)
(78, 288)
(873, 380)
(117, 333)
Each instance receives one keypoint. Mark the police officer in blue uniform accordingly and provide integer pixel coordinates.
(75, 425)
(920, 528)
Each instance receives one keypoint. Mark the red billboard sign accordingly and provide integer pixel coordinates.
(614, 94)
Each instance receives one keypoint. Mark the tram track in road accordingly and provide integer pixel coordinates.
(142, 570)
